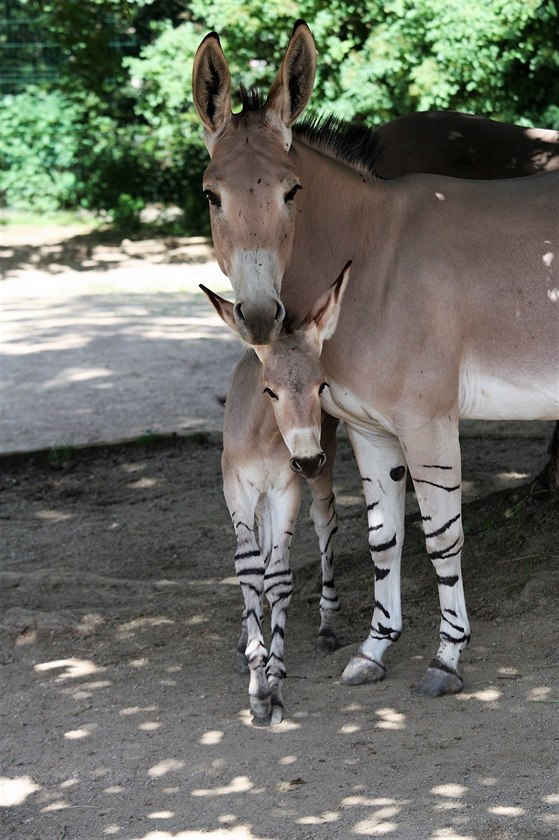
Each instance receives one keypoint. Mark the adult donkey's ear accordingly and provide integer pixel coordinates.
(292, 87)
(321, 322)
(211, 87)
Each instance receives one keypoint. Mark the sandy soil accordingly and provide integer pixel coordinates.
(122, 714)
(92, 327)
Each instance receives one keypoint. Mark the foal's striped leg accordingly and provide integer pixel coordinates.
(242, 499)
(381, 464)
(433, 455)
(283, 508)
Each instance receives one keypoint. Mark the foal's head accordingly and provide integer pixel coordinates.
(292, 375)
(250, 182)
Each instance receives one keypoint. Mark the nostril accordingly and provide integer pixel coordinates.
(295, 465)
(238, 312)
(280, 311)
(321, 460)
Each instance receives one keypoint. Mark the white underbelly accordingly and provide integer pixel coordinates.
(483, 396)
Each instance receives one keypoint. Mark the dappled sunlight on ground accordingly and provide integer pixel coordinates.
(100, 343)
(203, 770)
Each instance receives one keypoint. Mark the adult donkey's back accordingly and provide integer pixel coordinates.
(452, 311)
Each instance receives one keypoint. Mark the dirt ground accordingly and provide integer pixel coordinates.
(122, 714)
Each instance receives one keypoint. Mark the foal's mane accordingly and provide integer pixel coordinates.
(349, 142)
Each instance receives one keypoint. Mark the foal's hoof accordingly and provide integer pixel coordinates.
(261, 708)
(327, 642)
(266, 711)
(361, 670)
(437, 682)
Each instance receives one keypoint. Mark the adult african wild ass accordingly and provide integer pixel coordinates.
(437, 142)
(273, 435)
(452, 312)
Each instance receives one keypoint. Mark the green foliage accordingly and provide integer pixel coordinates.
(120, 130)
(496, 58)
(45, 123)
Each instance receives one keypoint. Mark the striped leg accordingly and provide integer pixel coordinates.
(283, 508)
(381, 464)
(433, 455)
(242, 498)
(325, 520)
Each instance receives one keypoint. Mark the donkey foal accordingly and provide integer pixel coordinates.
(274, 433)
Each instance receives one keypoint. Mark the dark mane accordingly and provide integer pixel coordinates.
(251, 99)
(352, 143)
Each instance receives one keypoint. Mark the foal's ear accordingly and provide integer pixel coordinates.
(321, 322)
(224, 308)
(211, 87)
(292, 87)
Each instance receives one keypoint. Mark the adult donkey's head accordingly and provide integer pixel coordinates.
(251, 183)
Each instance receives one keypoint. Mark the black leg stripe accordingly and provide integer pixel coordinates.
(382, 609)
(438, 486)
(380, 574)
(436, 467)
(252, 588)
(244, 525)
(444, 552)
(255, 553)
(384, 546)
(454, 641)
(382, 633)
(272, 575)
(280, 599)
(443, 528)
(450, 580)
(252, 570)
(332, 532)
(454, 626)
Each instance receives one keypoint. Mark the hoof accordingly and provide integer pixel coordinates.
(261, 708)
(242, 664)
(265, 712)
(361, 670)
(277, 715)
(326, 643)
(437, 682)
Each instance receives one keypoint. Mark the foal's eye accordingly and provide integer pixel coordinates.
(322, 387)
(213, 198)
(271, 393)
(290, 194)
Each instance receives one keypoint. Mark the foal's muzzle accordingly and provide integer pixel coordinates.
(308, 467)
(259, 324)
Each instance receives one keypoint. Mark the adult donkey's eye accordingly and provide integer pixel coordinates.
(290, 194)
(213, 198)
(271, 393)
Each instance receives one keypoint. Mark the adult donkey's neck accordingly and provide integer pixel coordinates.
(336, 212)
